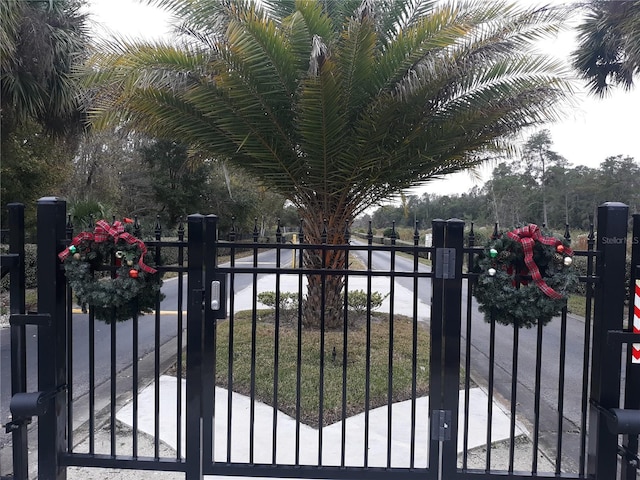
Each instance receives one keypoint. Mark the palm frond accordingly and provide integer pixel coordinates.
(10, 15)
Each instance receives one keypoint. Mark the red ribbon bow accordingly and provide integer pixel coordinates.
(102, 233)
(527, 237)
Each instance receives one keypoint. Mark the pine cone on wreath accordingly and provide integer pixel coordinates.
(504, 256)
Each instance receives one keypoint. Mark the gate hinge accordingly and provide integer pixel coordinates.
(445, 263)
(441, 425)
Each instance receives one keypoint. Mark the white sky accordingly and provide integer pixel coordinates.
(594, 130)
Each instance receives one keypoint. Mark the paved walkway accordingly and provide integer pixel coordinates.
(332, 434)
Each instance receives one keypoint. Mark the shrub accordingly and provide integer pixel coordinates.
(84, 212)
(287, 303)
(30, 266)
(481, 237)
(358, 301)
(580, 266)
(169, 254)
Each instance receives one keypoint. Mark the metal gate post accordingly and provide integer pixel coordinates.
(18, 339)
(435, 355)
(52, 338)
(452, 319)
(195, 324)
(632, 379)
(215, 302)
(608, 315)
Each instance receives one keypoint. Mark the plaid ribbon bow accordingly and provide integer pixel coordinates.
(527, 237)
(102, 233)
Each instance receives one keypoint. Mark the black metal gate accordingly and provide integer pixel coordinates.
(446, 396)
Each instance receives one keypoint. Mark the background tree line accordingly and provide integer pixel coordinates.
(537, 187)
(117, 173)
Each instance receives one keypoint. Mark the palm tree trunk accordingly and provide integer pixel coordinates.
(323, 306)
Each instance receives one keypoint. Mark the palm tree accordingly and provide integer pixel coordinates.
(40, 113)
(41, 43)
(336, 104)
(608, 49)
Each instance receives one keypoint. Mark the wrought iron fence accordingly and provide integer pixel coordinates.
(109, 398)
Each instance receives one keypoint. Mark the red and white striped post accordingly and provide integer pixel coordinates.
(635, 352)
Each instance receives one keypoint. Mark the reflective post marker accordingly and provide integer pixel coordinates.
(635, 352)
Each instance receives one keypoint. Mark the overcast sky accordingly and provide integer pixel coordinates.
(594, 130)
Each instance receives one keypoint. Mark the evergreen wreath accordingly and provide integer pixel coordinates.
(106, 270)
(524, 277)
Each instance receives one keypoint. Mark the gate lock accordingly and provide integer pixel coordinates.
(215, 295)
(218, 296)
(25, 405)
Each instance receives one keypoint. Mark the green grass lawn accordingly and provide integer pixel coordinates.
(577, 304)
(333, 365)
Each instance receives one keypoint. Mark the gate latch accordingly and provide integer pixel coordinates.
(441, 425)
(446, 263)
